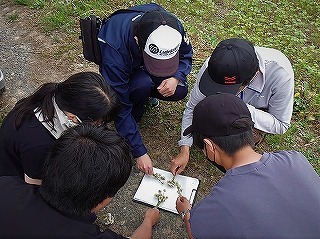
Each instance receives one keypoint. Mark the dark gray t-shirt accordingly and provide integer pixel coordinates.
(276, 197)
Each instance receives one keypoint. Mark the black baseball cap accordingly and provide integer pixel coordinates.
(159, 37)
(216, 115)
(231, 63)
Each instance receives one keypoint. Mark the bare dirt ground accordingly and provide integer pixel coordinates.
(22, 61)
(29, 58)
(28, 55)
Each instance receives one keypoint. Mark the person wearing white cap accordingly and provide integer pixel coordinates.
(262, 77)
(145, 53)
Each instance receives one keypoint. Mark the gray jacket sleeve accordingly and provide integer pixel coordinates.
(271, 107)
(195, 97)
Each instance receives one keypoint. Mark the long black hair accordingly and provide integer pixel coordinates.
(84, 94)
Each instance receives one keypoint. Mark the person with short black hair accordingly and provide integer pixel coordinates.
(146, 53)
(84, 169)
(31, 128)
(269, 195)
(262, 77)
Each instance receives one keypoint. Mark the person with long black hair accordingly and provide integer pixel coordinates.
(30, 129)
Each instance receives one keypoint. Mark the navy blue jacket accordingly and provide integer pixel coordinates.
(121, 56)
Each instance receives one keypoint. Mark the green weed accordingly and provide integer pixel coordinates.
(37, 4)
(13, 17)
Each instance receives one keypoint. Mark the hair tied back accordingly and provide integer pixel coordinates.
(56, 87)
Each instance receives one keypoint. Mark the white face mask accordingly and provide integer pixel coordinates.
(61, 121)
(69, 123)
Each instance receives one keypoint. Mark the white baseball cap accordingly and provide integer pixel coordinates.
(159, 37)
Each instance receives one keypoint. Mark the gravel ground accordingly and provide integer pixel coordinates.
(15, 56)
(22, 56)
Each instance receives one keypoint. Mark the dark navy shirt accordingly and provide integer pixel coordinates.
(23, 150)
(25, 214)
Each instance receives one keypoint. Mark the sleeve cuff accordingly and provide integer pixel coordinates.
(139, 151)
(185, 141)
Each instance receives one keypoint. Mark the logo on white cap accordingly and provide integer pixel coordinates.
(163, 43)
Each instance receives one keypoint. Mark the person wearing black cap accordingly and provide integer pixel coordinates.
(262, 77)
(269, 195)
(145, 53)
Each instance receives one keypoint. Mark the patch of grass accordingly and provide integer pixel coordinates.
(271, 24)
(290, 26)
(13, 17)
(34, 4)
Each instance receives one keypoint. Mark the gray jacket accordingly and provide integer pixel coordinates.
(269, 96)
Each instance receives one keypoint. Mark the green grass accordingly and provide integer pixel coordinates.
(14, 17)
(290, 26)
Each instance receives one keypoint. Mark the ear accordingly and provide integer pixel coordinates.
(72, 117)
(210, 145)
(104, 203)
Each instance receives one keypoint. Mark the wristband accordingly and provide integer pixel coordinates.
(184, 213)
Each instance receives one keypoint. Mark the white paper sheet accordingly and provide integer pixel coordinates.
(149, 186)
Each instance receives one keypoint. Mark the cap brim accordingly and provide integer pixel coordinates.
(188, 131)
(208, 86)
(161, 68)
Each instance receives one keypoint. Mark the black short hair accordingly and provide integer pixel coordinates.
(86, 165)
(229, 144)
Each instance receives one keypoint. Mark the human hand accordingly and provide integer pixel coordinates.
(144, 231)
(182, 203)
(152, 215)
(168, 86)
(181, 160)
(144, 164)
